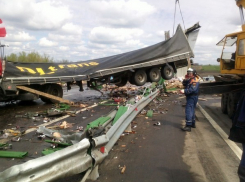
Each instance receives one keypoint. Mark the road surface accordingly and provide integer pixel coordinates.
(152, 153)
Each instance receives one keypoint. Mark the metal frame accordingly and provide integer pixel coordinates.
(155, 62)
(97, 74)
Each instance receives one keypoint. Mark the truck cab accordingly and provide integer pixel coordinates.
(232, 60)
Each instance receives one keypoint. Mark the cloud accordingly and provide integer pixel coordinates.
(207, 40)
(36, 15)
(103, 35)
(70, 28)
(99, 28)
(120, 13)
(64, 48)
(19, 37)
(133, 43)
(46, 43)
(65, 38)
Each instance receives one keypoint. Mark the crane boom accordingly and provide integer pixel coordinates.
(241, 5)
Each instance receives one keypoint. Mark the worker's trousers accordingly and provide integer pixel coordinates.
(241, 168)
(191, 102)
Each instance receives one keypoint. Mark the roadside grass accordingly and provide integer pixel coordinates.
(210, 68)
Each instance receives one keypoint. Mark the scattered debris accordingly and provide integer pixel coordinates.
(28, 115)
(12, 154)
(41, 137)
(5, 146)
(45, 120)
(143, 112)
(123, 169)
(55, 112)
(15, 139)
(202, 99)
(80, 128)
(157, 123)
(137, 98)
(65, 125)
(56, 135)
(149, 113)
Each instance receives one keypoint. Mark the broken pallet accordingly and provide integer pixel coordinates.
(45, 95)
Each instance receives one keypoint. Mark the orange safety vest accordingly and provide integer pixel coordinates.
(194, 80)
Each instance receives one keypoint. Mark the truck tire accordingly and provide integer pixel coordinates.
(154, 75)
(123, 82)
(231, 104)
(45, 90)
(139, 77)
(167, 72)
(53, 89)
(131, 80)
(224, 100)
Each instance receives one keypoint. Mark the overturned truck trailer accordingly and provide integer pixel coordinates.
(138, 67)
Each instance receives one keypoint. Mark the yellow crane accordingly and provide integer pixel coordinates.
(234, 62)
(232, 68)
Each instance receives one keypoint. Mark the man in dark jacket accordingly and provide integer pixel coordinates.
(191, 89)
(237, 132)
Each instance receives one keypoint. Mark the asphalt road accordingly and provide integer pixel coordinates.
(165, 153)
(153, 153)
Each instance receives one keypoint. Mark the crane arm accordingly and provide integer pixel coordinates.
(240, 3)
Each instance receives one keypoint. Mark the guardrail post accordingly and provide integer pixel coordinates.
(94, 174)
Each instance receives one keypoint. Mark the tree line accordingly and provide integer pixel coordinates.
(33, 57)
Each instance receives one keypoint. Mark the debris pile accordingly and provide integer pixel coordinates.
(174, 83)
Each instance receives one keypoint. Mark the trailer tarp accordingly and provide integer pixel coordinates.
(175, 46)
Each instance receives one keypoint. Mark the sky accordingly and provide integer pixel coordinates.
(79, 30)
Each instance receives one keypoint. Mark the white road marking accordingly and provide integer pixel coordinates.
(68, 94)
(230, 143)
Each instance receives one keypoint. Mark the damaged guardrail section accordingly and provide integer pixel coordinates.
(103, 144)
(84, 156)
(66, 162)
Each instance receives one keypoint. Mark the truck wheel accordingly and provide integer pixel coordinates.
(53, 89)
(167, 72)
(123, 82)
(231, 104)
(224, 100)
(139, 77)
(154, 75)
(131, 81)
(45, 90)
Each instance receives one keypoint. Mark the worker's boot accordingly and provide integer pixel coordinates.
(186, 128)
(193, 125)
(241, 173)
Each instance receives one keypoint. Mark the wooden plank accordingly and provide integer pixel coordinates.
(45, 95)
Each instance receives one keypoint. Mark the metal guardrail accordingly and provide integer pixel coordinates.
(66, 162)
(108, 140)
(76, 159)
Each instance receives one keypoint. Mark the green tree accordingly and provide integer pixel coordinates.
(64, 61)
(12, 57)
(33, 57)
